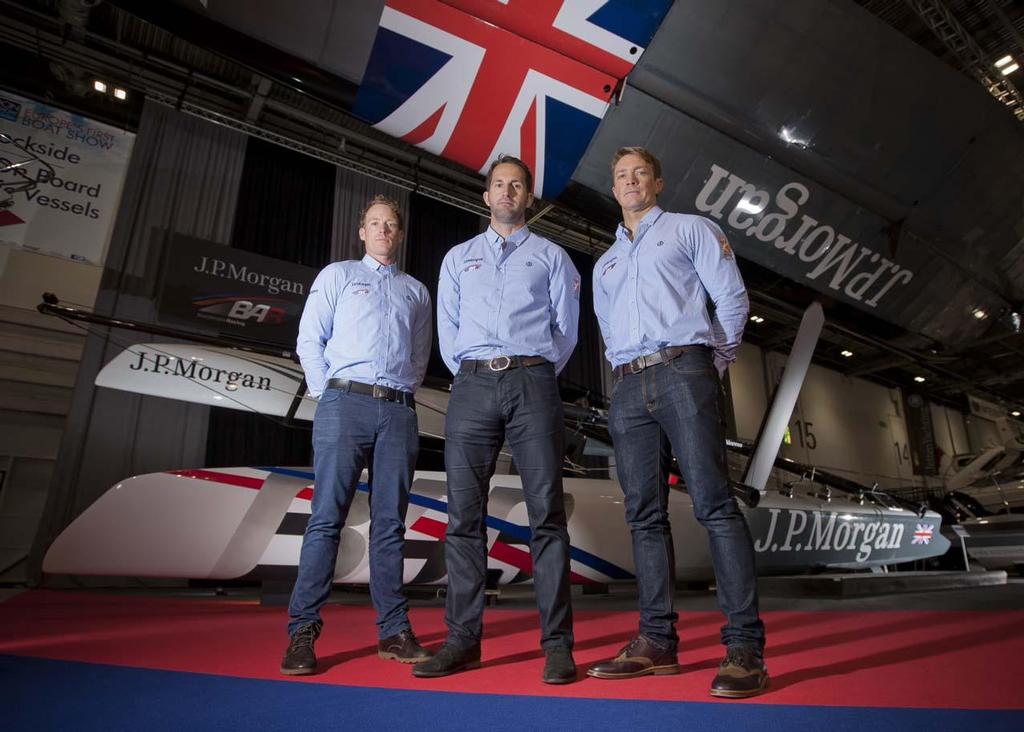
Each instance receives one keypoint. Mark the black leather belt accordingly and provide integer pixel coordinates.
(377, 391)
(500, 363)
(652, 359)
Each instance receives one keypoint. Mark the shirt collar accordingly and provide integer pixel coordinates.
(517, 237)
(376, 266)
(645, 223)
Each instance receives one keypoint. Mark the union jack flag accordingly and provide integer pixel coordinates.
(923, 534)
(470, 79)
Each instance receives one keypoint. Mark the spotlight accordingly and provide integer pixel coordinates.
(756, 319)
(846, 354)
(1015, 413)
(120, 93)
(99, 86)
(919, 379)
(979, 314)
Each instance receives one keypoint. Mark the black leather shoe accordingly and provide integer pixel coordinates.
(741, 674)
(300, 659)
(449, 660)
(639, 658)
(559, 668)
(402, 648)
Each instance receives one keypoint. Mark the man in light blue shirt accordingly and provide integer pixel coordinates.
(668, 353)
(507, 312)
(364, 340)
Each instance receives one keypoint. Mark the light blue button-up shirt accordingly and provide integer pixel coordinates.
(651, 293)
(365, 321)
(507, 297)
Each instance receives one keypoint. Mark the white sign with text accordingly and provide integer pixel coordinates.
(78, 168)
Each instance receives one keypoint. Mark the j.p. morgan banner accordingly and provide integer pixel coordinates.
(216, 288)
(76, 167)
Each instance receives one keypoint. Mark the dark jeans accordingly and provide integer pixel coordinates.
(681, 400)
(487, 407)
(351, 432)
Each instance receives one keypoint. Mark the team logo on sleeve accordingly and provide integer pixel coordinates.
(726, 249)
(576, 287)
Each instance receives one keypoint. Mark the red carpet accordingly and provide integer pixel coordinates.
(953, 660)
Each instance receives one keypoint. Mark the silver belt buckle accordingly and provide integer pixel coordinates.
(380, 392)
(633, 365)
(493, 363)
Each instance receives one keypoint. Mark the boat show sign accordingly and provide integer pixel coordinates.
(61, 179)
(216, 288)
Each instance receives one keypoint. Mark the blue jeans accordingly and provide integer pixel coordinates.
(351, 432)
(680, 399)
(486, 407)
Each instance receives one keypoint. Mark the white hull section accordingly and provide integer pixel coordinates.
(229, 522)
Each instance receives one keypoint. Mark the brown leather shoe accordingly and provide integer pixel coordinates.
(640, 657)
(741, 674)
(402, 648)
(299, 659)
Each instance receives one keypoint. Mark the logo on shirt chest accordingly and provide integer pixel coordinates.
(609, 266)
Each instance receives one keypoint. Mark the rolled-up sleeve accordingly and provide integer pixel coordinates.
(448, 312)
(422, 337)
(715, 264)
(564, 290)
(316, 327)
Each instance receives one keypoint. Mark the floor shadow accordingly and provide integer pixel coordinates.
(902, 653)
(860, 633)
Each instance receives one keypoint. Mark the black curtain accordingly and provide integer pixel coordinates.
(286, 211)
(434, 228)
(285, 205)
(580, 380)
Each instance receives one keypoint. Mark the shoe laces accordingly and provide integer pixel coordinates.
(305, 636)
(742, 657)
(633, 644)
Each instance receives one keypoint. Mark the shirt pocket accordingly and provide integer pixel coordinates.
(477, 282)
(358, 302)
(529, 276)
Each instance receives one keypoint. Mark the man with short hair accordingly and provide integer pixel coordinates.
(507, 311)
(669, 353)
(364, 340)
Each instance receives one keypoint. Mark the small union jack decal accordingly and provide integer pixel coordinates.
(923, 534)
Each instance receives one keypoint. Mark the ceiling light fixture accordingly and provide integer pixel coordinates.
(99, 86)
(756, 319)
(1015, 413)
(120, 93)
(1007, 70)
(846, 354)
(1003, 61)
(919, 379)
(979, 314)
